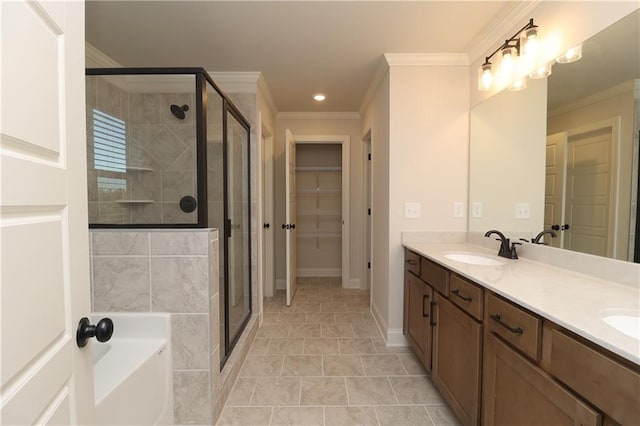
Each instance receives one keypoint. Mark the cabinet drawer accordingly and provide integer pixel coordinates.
(436, 276)
(466, 295)
(518, 327)
(412, 262)
(609, 385)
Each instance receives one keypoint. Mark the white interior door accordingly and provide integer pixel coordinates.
(554, 185)
(45, 377)
(290, 214)
(589, 204)
(267, 216)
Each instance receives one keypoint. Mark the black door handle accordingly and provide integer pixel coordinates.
(266, 226)
(555, 227)
(286, 226)
(293, 226)
(101, 331)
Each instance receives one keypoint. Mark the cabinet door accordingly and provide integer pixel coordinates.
(457, 340)
(516, 392)
(419, 326)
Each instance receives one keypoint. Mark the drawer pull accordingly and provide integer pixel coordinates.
(432, 306)
(424, 297)
(411, 262)
(498, 318)
(463, 297)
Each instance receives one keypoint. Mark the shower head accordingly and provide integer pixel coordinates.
(178, 111)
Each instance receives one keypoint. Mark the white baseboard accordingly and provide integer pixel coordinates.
(281, 284)
(319, 272)
(391, 336)
(353, 283)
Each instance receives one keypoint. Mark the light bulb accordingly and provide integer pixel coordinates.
(571, 55)
(518, 85)
(530, 41)
(507, 65)
(485, 76)
(542, 71)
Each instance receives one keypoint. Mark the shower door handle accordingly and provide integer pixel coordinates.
(227, 230)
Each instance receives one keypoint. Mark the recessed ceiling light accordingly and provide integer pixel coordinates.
(319, 97)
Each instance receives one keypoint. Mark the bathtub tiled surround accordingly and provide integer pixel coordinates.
(173, 271)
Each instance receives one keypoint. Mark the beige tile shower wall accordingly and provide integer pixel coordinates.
(160, 151)
(168, 271)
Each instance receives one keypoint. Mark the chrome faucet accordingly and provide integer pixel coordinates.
(506, 250)
(536, 239)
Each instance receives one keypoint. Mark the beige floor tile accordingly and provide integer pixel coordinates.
(358, 307)
(333, 307)
(243, 416)
(319, 299)
(328, 291)
(303, 416)
(241, 392)
(370, 391)
(321, 346)
(442, 415)
(337, 330)
(382, 365)
(259, 346)
(350, 416)
(365, 329)
(307, 291)
(405, 415)
(262, 365)
(300, 298)
(348, 317)
(342, 365)
(340, 298)
(412, 364)
(270, 318)
(273, 330)
(292, 318)
(305, 330)
(323, 391)
(321, 318)
(285, 346)
(307, 307)
(302, 365)
(276, 391)
(415, 390)
(357, 346)
(271, 308)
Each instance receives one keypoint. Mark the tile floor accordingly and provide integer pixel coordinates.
(322, 361)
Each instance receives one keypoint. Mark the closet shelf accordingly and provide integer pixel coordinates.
(318, 169)
(135, 201)
(319, 235)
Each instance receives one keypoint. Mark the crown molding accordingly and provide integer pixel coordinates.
(379, 75)
(495, 35)
(95, 58)
(236, 82)
(425, 59)
(267, 96)
(631, 86)
(318, 116)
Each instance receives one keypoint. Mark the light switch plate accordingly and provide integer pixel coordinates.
(411, 210)
(458, 209)
(523, 211)
(476, 209)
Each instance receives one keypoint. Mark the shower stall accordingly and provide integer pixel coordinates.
(166, 148)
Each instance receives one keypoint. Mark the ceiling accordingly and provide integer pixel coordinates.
(300, 47)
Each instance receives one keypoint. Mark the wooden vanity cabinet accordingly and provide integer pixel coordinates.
(457, 348)
(418, 297)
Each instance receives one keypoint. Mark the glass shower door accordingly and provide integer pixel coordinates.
(238, 291)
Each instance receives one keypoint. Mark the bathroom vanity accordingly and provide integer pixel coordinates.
(509, 341)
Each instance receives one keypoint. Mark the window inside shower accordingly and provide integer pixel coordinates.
(167, 149)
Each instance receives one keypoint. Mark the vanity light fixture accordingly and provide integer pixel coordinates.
(319, 97)
(571, 55)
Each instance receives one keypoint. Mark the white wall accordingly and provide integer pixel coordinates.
(426, 157)
(322, 124)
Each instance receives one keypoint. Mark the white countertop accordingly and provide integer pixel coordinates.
(571, 300)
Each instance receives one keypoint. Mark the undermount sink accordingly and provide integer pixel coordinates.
(473, 259)
(627, 322)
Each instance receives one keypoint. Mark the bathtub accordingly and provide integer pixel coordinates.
(132, 372)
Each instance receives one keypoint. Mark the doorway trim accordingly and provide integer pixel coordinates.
(345, 142)
(367, 203)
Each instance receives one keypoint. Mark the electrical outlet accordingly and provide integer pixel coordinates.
(476, 209)
(458, 209)
(411, 210)
(523, 210)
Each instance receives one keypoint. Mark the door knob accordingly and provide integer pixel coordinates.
(266, 226)
(102, 331)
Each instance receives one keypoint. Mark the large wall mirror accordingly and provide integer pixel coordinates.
(563, 154)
